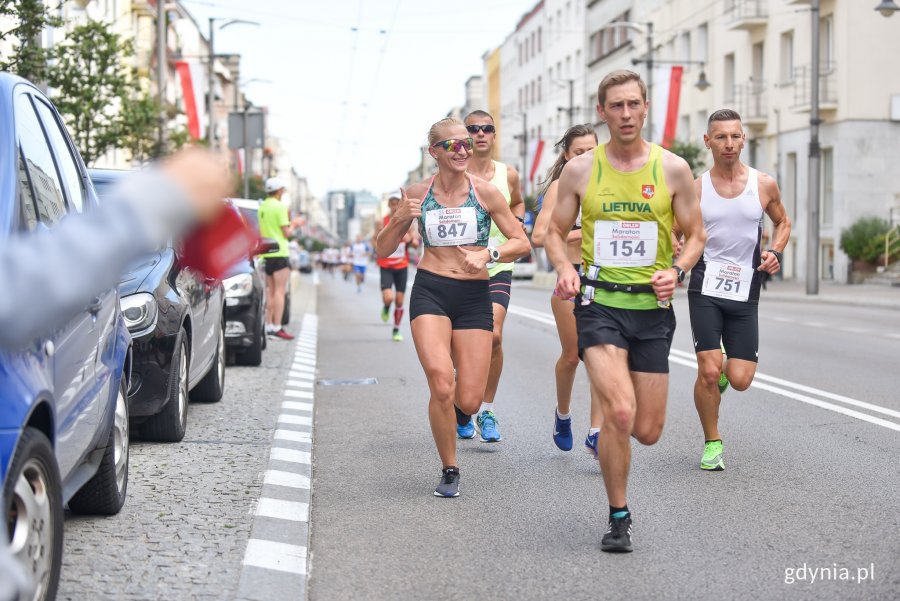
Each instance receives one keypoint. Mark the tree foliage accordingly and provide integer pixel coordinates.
(27, 59)
(139, 120)
(692, 153)
(90, 81)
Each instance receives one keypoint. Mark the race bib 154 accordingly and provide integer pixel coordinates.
(625, 243)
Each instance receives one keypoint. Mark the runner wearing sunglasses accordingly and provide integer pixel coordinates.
(480, 126)
(449, 306)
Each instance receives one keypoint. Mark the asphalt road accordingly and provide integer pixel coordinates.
(807, 508)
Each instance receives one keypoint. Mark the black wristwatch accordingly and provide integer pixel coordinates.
(680, 273)
(777, 255)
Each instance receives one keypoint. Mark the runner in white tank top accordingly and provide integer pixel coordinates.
(723, 293)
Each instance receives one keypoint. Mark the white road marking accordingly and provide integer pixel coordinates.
(299, 420)
(298, 394)
(290, 455)
(299, 384)
(293, 435)
(276, 556)
(297, 406)
(689, 360)
(293, 511)
(287, 479)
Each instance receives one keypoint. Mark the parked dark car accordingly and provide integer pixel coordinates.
(176, 319)
(250, 212)
(63, 413)
(245, 307)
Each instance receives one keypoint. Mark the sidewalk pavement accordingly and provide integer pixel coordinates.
(830, 293)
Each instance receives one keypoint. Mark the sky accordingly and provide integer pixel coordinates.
(353, 86)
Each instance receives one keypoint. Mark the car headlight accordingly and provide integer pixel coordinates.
(238, 285)
(139, 311)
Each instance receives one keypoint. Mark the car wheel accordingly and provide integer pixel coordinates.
(170, 424)
(253, 354)
(34, 512)
(212, 386)
(104, 494)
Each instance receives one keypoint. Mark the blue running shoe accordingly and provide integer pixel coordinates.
(590, 443)
(466, 432)
(487, 426)
(562, 432)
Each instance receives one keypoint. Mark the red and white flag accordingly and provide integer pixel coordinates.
(664, 104)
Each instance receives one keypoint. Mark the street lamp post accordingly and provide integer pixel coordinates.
(210, 72)
(812, 242)
(161, 44)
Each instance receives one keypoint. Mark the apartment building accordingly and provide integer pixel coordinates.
(542, 81)
(756, 57)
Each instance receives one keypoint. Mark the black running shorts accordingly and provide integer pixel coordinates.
(274, 264)
(393, 278)
(645, 334)
(466, 302)
(501, 285)
(735, 323)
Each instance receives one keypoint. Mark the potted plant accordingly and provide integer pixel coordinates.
(863, 242)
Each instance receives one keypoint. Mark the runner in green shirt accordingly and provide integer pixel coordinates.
(275, 223)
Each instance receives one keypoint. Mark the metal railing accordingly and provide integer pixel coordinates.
(803, 85)
(751, 100)
(738, 10)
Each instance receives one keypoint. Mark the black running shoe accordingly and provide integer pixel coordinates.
(449, 484)
(618, 536)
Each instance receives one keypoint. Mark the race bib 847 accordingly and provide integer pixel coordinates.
(451, 227)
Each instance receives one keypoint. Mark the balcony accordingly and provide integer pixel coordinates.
(752, 103)
(828, 97)
(746, 15)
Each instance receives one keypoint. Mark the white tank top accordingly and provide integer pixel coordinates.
(733, 230)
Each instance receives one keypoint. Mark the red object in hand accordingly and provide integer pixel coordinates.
(214, 247)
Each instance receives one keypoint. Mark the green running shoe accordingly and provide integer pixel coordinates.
(723, 382)
(397, 336)
(385, 314)
(712, 457)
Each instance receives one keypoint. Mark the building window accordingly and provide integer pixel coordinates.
(702, 42)
(786, 71)
(826, 209)
(826, 41)
(539, 34)
(790, 185)
(758, 62)
(686, 47)
(728, 79)
(539, 89)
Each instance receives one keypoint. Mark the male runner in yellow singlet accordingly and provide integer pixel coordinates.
(628, 191)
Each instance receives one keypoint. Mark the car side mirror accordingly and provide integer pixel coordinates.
(266, 245)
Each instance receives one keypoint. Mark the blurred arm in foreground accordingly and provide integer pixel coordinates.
(53, 274)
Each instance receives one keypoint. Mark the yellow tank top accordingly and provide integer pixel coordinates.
(626, 220)
(500, 180)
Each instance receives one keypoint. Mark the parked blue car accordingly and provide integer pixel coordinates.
(63, 410)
